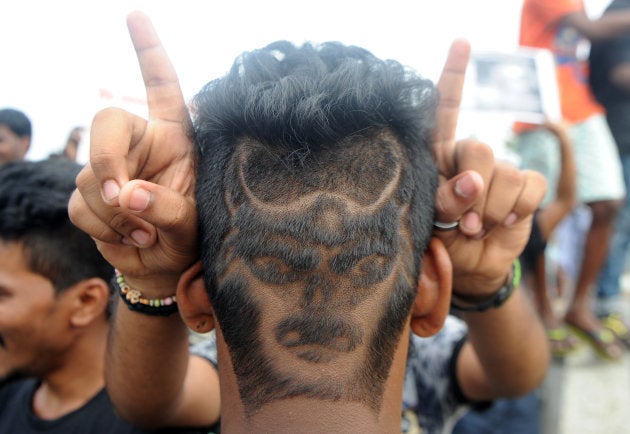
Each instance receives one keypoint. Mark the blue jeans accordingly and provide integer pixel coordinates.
(608, 286)
(513, 416)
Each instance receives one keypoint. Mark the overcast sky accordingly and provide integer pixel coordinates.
(57, 56)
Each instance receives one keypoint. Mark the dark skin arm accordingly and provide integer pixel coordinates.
(507, 352)
(147, 229)
(550, 216)
(620, 76)
(607, 26)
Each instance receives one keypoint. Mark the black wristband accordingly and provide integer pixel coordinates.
(498, 298)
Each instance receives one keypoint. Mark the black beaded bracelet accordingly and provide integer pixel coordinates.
(137, 302)
(498, 298)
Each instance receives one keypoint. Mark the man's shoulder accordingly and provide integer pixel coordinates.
(95, 416)
(13, 391)
(15, 405)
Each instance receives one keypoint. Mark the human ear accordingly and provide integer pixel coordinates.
(90, 298)
(433, 293)
(25, 144)
(193, 301)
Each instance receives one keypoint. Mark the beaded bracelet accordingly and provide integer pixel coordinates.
(149, 306)
(498, 298)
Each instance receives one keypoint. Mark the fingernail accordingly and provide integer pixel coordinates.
(139, 199)
(470, 221)
(465, 186)
(140, 237)
(110, 190)
(510, 219)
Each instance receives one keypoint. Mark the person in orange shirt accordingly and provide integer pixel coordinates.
(563, 27)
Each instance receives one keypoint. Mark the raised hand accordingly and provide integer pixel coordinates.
(135, 197)
(493, 202)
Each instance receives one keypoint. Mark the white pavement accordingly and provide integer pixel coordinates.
(585, 395)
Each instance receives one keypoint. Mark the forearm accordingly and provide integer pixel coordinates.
(613, 24)
(507, 353)
(607, 26)
(620, 76)
(146, 365)
(566, 188)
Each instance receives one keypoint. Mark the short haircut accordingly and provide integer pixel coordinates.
(314, 167)
(16, 121)
(34, 212)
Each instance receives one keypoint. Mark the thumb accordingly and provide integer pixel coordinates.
(455, 197)
(170, 212)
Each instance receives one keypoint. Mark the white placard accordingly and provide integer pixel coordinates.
(521, 83)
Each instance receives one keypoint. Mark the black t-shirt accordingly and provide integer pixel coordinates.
(604, 56)
(95, 417)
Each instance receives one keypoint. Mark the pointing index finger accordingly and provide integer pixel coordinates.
(164, 94)
(450, 86)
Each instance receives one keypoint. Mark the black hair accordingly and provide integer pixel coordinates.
(34, 212)
(294, 143)
(16, 121)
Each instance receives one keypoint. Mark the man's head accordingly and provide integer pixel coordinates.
(315, 191)
(53, 280)
(15, 135)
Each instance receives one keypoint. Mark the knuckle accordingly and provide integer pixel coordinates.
(84, 177)
(108, 236)
(483, 150)
(529, 204)
(105, 115)
(510, 175)
(76, 207)
(122, 223)
(102, 159)
(181, 214)
(538, 179)
(441, 204)
(480, 150)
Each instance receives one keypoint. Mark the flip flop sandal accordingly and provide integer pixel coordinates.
(562, 342)
(615, 324)
(602, 341)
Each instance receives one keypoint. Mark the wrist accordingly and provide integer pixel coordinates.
(153, 286)
(139, 301)
(481, 303)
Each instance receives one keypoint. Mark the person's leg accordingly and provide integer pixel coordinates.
(539, 150)
(541, 295)
(569, 246)
(608, 301)
(561, 341)
(601, 187)
(594, 254)
(579, 315)
(608, 288)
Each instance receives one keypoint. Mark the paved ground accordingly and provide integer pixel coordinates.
(585, 395)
